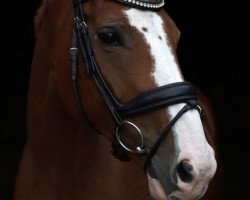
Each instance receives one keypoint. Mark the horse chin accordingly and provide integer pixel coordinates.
(156, 189)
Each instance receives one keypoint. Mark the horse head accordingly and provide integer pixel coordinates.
(132, 46)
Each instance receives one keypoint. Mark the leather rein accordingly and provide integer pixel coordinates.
(180, 92)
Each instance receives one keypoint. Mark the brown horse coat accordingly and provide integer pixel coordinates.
(65, 158)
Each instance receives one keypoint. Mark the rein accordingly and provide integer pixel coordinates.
(180, 92)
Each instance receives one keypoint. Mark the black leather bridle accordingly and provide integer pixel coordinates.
(181, 92)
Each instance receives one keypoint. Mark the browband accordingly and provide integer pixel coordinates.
(144, 4)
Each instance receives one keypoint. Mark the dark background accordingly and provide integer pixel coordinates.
(213, 51)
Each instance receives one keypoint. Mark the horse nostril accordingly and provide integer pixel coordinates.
(184, 170)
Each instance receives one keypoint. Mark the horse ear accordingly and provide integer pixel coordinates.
(43, 9)
(39, 16)
(177, 36)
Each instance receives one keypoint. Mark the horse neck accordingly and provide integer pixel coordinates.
(48, 118)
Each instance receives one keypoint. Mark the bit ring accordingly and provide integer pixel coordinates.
(140, 148)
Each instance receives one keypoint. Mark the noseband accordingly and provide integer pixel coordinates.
(181, 92)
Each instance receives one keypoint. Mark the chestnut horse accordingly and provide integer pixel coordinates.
(126, 79)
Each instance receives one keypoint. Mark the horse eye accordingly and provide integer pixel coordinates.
(109, 37)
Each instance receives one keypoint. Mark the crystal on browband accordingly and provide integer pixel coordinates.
(144, 4)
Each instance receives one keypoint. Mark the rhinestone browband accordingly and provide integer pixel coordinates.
(144, 4)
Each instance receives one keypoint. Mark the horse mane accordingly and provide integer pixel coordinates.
(45, 6)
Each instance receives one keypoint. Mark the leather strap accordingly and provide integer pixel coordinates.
(91, 66)
(180, 92)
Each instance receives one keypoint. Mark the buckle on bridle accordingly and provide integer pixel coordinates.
(80, 25)
(73, 51)
(140, 148)
(201, 112)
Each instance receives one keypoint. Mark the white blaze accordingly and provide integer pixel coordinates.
(188, 129)
(165, 70)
